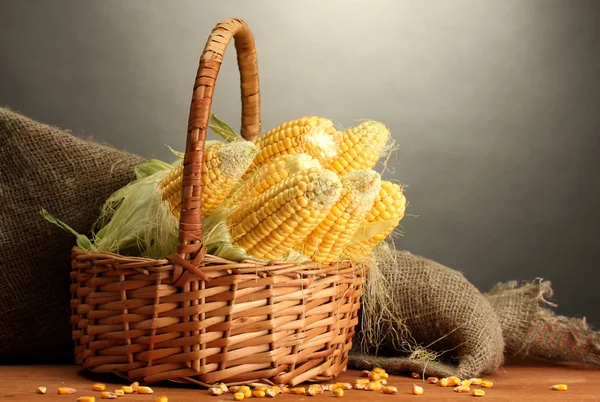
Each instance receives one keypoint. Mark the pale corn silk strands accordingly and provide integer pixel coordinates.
(45, 167)
(532, 329)
(418, 315)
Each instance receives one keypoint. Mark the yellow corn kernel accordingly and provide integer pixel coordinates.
(224, 165)
(362, 380)
(478, 392)
(390, 390)
(283, 389)
(453, 381)
(119, 392)
(313, 136)
(298, 391)
(360, 146)
(416, 390)
(258, 394)
(475, 381)
(385, 376)
(415, 375)
(383, 381)
(374, 386)
(462, 389)
(127, 389)
(99, 387)
(486, 384)
(223, 387)
(338, 392)
(432, 380)
(314, 389)
(374, 377)
(245, 390)
(66, 391)
(271, 392)
(234, 389)
(343, 385)
(86, 399)
(108, 395)
(365, 373)
(360, 386)
(238, 396)
(559, 387)
(378, 370)
(268, 226)
(465, 383)
(443, 382)
(40, 390)
(162, 399)
(135, 385)
(215, 391)
(145, 390)
(329, 239)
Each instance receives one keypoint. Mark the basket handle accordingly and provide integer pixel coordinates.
(190, 249)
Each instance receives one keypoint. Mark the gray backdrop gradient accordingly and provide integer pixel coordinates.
(494, 106)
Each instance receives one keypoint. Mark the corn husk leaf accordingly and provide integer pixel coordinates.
(369, 230)
(223, 130)
(150, 167)
(82, 240)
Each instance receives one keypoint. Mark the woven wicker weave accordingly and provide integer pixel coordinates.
(197, 318)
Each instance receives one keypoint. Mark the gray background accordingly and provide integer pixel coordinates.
(494, 104)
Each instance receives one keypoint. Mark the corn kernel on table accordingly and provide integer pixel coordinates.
(516, 381)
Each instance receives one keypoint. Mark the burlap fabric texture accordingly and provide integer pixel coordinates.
(44, 167)
(437, 323)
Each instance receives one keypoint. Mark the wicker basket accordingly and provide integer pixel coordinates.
(197, 318)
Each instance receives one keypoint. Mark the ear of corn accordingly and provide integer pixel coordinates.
(268, 175)
(313, 136)
(224, 164)
(266, 227)
(360, 147)
(327, 241)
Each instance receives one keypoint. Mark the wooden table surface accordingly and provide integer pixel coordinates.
(521, 381)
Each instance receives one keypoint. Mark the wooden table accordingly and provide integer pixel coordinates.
(521, 381)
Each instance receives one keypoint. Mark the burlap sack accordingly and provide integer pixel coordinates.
(432, 321)
(43, 167)
(530, 329)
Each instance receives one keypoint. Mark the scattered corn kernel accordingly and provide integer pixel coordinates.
(261, 388)
(443, 382)
(162, 399)
(478, 392)
(135, 386)
(127, 389)
(108, 395)
(315, 389)
(390, 390)
(384, 375)
(365, 373)
(330, 387)
(146, 390)
(415, 375)
(234, 389)
(486, 384)
(245, 390)
(374, 386)
(119, 392)
(432, 380)
(374, 377)
(298, 391)
(462, 389)
(383, 381)
(453, 381)
(271, 392)
(66, 391)
(258, 394)
(238, 396)
(378, 370)
(285, 390)
(343, 385)
(40, 390)
(416, 390)
(559, 387)
(362, 381)
(338, 393)
(465, 383)
(361, 386)
(215, 391)
(223, 387)
(86, 399)
(475, 381)
(99, 387)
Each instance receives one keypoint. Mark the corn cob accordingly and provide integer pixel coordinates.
(308, 135)
(360, 147)
(327, 241)
(388, 209)
(223, 165)
(268, 175)
(268, 226)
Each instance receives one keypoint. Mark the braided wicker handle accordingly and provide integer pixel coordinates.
(190, 249)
